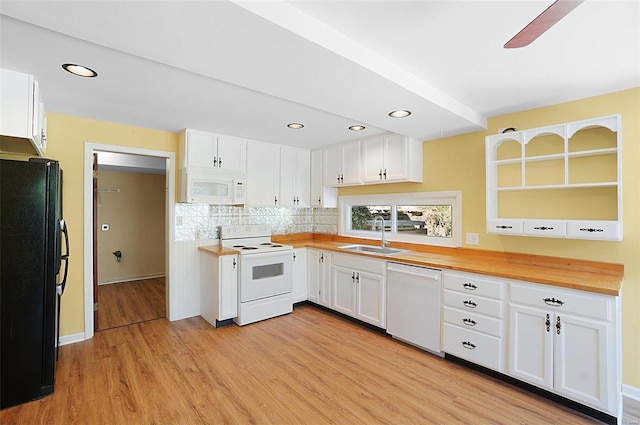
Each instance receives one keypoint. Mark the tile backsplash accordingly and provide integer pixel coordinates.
(200, 221)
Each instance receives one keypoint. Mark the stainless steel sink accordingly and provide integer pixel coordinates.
(370, 249)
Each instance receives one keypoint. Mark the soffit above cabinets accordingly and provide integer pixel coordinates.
(249, 68)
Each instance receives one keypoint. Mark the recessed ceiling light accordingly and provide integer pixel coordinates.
(295, 125)
(401, 113)
(357, 127)
(79, 70)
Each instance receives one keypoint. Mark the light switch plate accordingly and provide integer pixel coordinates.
(472, 238)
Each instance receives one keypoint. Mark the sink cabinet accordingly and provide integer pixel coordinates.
(576, 167)
(219, 287)
(319, 277)
(359, 288)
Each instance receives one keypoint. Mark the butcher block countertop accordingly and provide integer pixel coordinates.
(591, 276)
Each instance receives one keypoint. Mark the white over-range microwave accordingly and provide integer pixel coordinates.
(212, 187)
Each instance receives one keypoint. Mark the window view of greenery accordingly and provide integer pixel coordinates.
(429, 220)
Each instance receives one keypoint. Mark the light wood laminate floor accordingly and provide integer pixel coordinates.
(136, 301)
(308, 367)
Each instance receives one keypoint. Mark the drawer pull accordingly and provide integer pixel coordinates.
(469, 322)
(504, 227)
(470, 286)
(552, 301)
(591, 230)
(543, 228)
(468, 345)
(470, 304)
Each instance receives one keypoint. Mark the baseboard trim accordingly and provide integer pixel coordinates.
(71, 339)
(132, 279)
(630, 392)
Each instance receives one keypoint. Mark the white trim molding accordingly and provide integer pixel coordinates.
(631, 392)
(71, 339)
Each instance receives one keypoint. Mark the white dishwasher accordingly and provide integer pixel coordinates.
(413, 305)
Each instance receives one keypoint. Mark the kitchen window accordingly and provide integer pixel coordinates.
(430, 218)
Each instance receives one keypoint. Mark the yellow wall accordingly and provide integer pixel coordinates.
(454, 163)
(66, 138)
(457, 163)
(136, 218)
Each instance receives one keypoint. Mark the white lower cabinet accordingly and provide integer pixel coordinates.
(219, 287)
(565, 341)
(299, 275)
(473, 315)
(319, 277)
(359, 288)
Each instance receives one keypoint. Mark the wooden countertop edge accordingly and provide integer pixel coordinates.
(590, 276)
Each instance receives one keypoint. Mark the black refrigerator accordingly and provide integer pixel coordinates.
(32, 235)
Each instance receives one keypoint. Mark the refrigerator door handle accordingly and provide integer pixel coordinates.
(65, 258)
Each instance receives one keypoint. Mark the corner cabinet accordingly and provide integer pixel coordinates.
(321, 196)
(319, 277)
(560, 181)
(566, 341)
(299, 292)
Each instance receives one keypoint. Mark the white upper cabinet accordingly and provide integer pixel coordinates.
(387, 158)
(321, 195)
(391, 158)
(23, 121)
(263, 174)
(561, 181)
(212, 151)
(295, 174)
(342, 164)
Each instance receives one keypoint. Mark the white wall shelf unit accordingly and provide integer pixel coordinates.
(574, 167)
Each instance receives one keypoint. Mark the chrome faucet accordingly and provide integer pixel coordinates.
(383, 242)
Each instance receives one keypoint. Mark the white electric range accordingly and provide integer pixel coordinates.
(265, 278)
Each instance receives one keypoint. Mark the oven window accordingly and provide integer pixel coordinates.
(268, 270)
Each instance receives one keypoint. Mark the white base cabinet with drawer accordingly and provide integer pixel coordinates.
(359, 288)
(565, 341)
(473, 312)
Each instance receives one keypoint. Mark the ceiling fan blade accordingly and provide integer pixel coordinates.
(558, 10)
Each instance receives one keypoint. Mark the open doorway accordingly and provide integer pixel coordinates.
(129, 218)
(169, 158)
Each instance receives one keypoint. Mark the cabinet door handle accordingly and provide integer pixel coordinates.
(470, 286)
(469, 322)
(215, 161)
(319, 201)
(219, 162)
(380, 174)
(558, 325)
(553, 302)
(294, 256)
(357, 277)
(341, 178)
(338, 179)
(275, 200)
(385, 174)
(353, 276)
(234, 263)
(468, 345)
(469, 304)
(322, 258)
(548, 322)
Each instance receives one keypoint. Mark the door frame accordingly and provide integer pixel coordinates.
(170, 157)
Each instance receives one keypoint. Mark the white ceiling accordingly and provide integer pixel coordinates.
(247, 68)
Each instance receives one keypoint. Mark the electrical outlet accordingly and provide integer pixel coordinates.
(472, 238)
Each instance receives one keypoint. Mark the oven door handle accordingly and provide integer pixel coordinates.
(286, 254)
